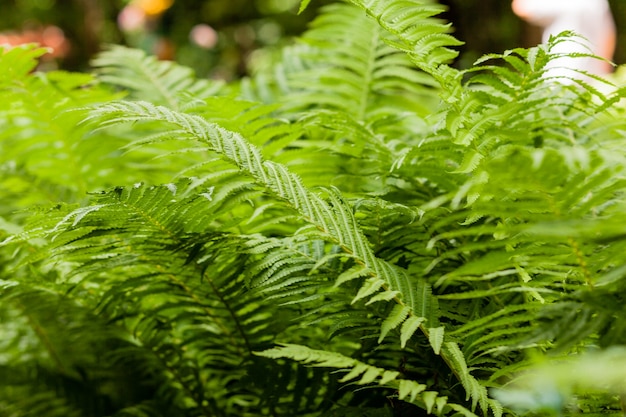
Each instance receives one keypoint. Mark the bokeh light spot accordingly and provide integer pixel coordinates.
(203, 36)
(154, 7)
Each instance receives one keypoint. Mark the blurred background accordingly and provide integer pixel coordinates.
(226, 39)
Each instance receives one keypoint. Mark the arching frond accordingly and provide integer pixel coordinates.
(360, 373)
(147, 78)
(414, 31)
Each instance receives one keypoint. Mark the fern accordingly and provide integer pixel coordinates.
(366, 374)
(359, 230)
(144, 77)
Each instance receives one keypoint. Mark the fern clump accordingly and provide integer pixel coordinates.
(360, 230)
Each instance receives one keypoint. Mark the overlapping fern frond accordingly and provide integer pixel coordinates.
(333, 218)
(522, 227)
(379, 96)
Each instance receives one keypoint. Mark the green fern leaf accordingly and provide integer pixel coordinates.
(18, 62)
(475, 391)
(436, 337)
(355, 272)
(383, 296)
(371, 286)
(409, 390)
(429, 400)
(409, 327)
(303, 5)
(398, 314)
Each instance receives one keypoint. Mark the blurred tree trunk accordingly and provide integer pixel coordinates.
(618, 7)
(85, 23)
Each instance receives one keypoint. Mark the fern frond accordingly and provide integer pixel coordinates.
(147, 78)
(414, 31)
(55, 355)
(171, 284)
(359, 373)
(18, 62)
(378, 95)
(40, 118)
(518, 92)
(366, 374)
(364, 76)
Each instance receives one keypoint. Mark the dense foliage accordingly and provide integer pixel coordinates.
(360, 230)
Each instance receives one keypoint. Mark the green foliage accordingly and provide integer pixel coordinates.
(597, 379)
(361, 230)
